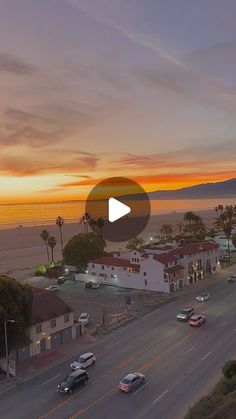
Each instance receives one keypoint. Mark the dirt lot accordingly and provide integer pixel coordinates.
(107, 302)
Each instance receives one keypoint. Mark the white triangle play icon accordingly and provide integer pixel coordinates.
(117, 209)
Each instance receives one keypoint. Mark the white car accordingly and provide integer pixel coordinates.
(52, 288)
(232, 278)
(84, 319)
(203, 297)
(84, 361)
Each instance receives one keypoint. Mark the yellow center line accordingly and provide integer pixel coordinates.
(109, 372)
(142, 368)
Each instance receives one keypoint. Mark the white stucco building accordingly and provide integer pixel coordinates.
(157, 268)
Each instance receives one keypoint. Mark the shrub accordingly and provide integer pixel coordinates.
(229, 369)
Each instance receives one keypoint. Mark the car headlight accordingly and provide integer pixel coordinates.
(66, 389)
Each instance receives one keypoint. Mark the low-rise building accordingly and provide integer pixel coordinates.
(158, 268)
(52, 324)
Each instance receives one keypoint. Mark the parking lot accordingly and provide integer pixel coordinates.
(105, 303)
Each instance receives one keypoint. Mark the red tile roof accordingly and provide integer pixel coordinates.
(173, 269)
(46, 306)
(193, 248)
(165, 258)
(110, 261)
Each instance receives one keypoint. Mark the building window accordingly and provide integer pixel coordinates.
(53, 323)
(176, 263)
(102, 266)
(38, 328)
(92, 265)
(144, 273)
(166, 266)
(112, 268)
(66, 318)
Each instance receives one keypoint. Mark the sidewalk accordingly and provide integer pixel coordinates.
(31, 367)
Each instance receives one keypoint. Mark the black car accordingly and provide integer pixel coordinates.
(72, 381)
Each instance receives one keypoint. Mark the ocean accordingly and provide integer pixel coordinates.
(15, 215)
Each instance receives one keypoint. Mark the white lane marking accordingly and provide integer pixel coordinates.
(160, 397)
(126, 349)
(141, 388)
(222, 324)
(174, 302)
(111, 346)
(189, 350)
(53, 378)
(206, 356)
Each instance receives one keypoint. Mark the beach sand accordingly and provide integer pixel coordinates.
(22, 249)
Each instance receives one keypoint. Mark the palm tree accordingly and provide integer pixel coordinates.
(180, 226)
(45, 235)
(86, 221)
(225, 221)
(190, 217)
(167, 231)
(52, 243)
(100, 223)
(59, 223)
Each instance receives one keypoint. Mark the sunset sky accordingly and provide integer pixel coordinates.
(97, 88)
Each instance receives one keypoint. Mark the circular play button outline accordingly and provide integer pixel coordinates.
(122, 200)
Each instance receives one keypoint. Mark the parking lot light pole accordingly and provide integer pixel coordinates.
(6, 344)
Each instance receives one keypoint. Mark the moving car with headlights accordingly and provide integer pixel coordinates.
(84, 319)
(203, 297)
(185, 314)
(73, 380)
(232, 278)
(131, 381)
(197, 320)
(84, 361)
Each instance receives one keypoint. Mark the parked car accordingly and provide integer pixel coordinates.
(203, 297)
(52, 288)
(84, 361)
(93, 285)
(232, 278)
(131, 381)
(197, 320)
(84, 319)
(185, 314)
(73, 380)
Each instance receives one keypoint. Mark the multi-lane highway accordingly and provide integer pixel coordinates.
(180, 363)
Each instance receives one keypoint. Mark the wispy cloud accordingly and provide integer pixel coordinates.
(13, 65)
(142, 39)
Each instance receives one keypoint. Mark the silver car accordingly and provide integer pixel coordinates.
(131, 381)
(84, 361)
(203, 297)
(185, 314)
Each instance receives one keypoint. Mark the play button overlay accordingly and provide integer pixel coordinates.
(118, 209)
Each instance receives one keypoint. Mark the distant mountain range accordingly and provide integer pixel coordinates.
(226, 189)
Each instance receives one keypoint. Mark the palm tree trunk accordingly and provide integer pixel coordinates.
(52, 255)
(62, 248)
(47, 251)
(229, 248)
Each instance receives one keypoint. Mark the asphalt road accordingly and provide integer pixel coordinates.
(180, 363)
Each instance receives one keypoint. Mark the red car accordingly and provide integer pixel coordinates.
(197, 320)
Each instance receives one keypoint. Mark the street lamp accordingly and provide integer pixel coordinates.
(6, 343)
